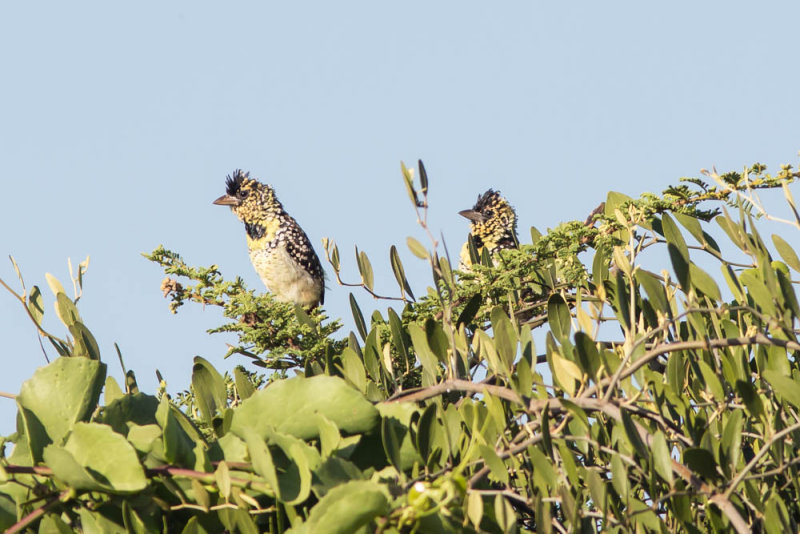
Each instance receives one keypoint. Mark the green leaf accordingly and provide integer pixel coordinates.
(536, 235)
(353, 369)
(504, 513)
(621, 261)
(475, 508)
(139, 409)
(701, 461)
(244, 387)
(133, 523)
(408, 179)
(505, 338)
(111, 391)
(633, 435)
(619, 477)
(85, 343)
(675, 372)
(423, 178)
(732, 438)
(785, 387)
(564, 371)
(233, 448)
(416, 248)
(654, 288)
(558, 317)
(786, 251)
(303, 318)
(470, 310)
(487, 350)
(568, 463)
(621, 300)
(437, 340)
(105, 456)
(57, 397)
(35, 305)
(597, 488)
(142, 437)
(211, 395)
(703, 282)
(678, 251)
(662, 459)
(329, 436)
(52, 524)
(55, 285)
(399, 272)
(66, 310)
(396, 438)
(733, 282)
(430, 434)
(600, 266)
(543, 468)
(711, 381)
(498, 472)
(97, 522)
(751, 398)
(423, 351)
(332, 472)
(400, 339)
(327, 395)
(615, 200)
(67, 469)
(392, 438)
(588, 355)
(295, 476)
(758, 291)
(732, 229)
(261, 458)
(365, 268)
(358, 317)
(692, 225)
(178, 443)
(347, 508)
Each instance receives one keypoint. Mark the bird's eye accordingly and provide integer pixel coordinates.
(243, 193)
(490, 212)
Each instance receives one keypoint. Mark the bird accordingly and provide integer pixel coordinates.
(492, 227)
(280, 250)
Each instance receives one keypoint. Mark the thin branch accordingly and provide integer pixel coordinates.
(20, 525)
(42, 331)
(764, 450)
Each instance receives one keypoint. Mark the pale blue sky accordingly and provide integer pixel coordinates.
(120, 122)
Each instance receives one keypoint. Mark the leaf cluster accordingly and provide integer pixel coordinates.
(663, 398)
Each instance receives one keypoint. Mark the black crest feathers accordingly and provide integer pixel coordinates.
(234, 182)
(486, 199)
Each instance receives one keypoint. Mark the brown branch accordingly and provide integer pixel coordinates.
(20, 525)
(706, 344)
(721, 500)
(420, 394)
(609, 408)
(764, 450)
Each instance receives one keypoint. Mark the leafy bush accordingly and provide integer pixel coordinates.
(663, 401)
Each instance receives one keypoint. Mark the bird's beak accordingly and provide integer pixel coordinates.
(227, 200)
(472, 215)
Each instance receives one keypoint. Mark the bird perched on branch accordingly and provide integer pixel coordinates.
(279, 249)
(492, 227)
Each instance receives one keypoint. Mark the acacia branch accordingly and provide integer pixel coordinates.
(705, 344)
(764, 450)
(20, 525)
(607, 407)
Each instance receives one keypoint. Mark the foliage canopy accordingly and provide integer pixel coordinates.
(665, 399)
